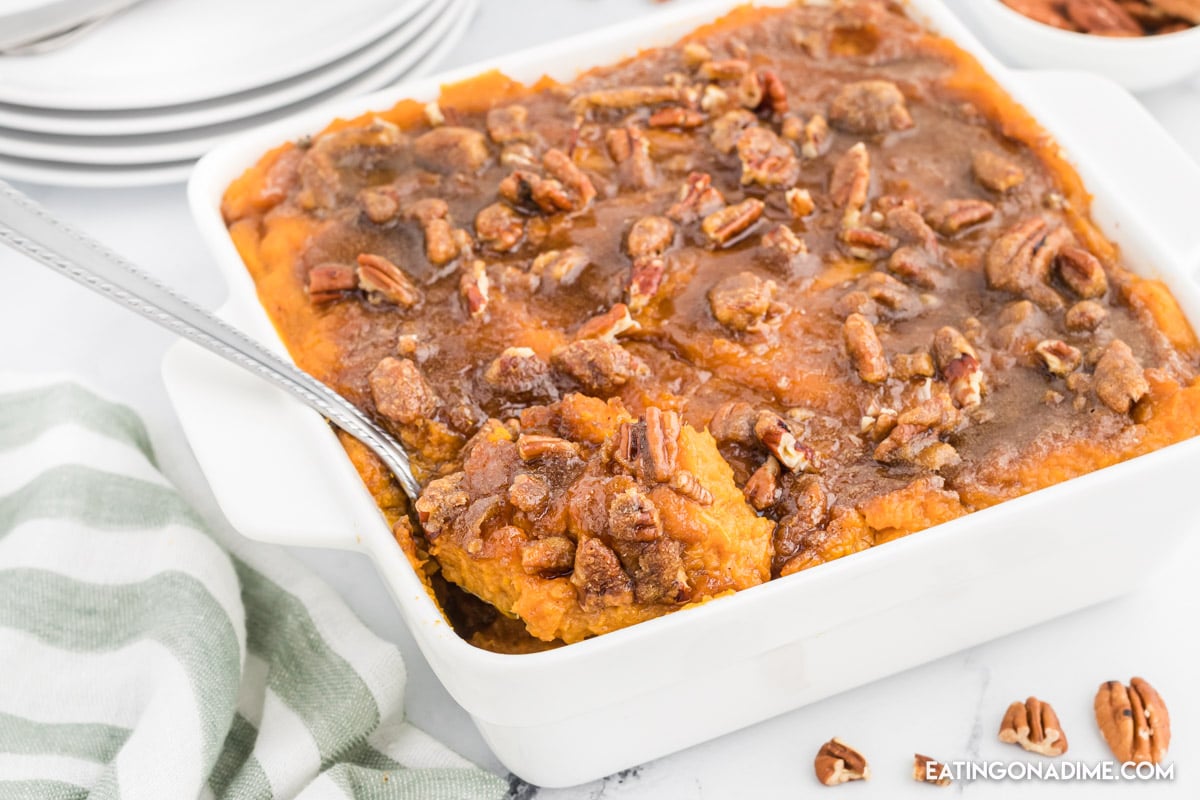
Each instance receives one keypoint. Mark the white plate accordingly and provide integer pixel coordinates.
(241, 106)
(167, 52)
(49, 173)
(416, 60)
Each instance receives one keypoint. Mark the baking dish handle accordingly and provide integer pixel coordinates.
(1144, 183)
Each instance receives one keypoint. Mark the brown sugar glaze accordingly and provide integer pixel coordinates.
(804, 283)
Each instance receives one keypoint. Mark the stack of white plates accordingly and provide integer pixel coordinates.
(136, 99)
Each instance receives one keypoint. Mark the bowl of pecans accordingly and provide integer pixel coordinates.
(1141, 44)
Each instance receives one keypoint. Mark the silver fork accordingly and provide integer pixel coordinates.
(30, 229)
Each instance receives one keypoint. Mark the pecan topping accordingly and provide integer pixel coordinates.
(534, 446)
(649, 237)
(475, 288)
(530, 494)
(499, 227)
(383, 281)
(1103, 17)
(561, 266)
(851, 180)
(690, 487)
(927, 770)
(906, 366)
(775, 434)
(762, 490)
(627, 97)
(609, 325)
(599, 580)
(1086, 315)
(1033, 725)
(870, 107)
(1059, 357)
(814, 137)
(865, 350)
(400, 391)
(631, 150)
(960, 366)
(676, 117)
(784, 240)
(1082, 271)
(451, 149)
(330, 282)
(441, 245)
(837, 762)
(380, 203)
(763, 89)
(508, 124)
(724, 226)
(599, 366)
(914, 264)
(729, 69)
(766, 159)
(728, 128)
(952, 216)
(560, 166)
(734, 422)
(662, 443)
(645, 278)
(1134, 721)
(741, 302)
(799, 202)
(633, 517)
(1042, 11)
(519, 371)
(697, 198)
(996, 172)
(441, 502)
(1118, 378)
(551, 557)
(866, 243)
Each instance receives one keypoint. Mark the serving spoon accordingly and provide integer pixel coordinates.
(30, 229)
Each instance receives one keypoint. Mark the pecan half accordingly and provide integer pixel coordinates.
(383, 281)
(688, 485)
(400, 391)
(626, 97)
(727, 69)
(508, 124)
(927, 770)
(728, 128)
(519, 371)
(959, 364)
(499, 227)
(697, 198)
(741, 302)
(734, 422)
(433, 214)
(775, 434)
(1059, 357)
(676, 117)
(952, 216)
(1033, 725)
(1118, 378)
(330, 282)
(599, 366)
(766, 159)
(799, 202)
(551, 557)
(914, 265)
(661, 444)
(1082, 271)
(598, 578)
(996, 172)
(535, 446)
(629, 147)
(870, 107)
(865, 243)
(851, 179)
(475, 288)
(560, 166)
(762, 489)
(918, 364)
(609, 325)
(1134, 721)
(450, 149)
(1102, 17)
(381, 204)
(649, 237)
(838, 762)
(645, 279)
(1086, 315)
(865, 350)
(633, 517)
(561, 266)
(1019, 260)
(723, 226)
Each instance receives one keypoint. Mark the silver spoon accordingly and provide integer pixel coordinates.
(28, 228)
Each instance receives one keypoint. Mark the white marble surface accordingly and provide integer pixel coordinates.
(949, 709)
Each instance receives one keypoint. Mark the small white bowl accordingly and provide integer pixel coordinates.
(1137, 63)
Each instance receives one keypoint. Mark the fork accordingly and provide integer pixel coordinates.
(29, 228)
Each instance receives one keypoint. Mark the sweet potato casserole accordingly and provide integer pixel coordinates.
(804, 283)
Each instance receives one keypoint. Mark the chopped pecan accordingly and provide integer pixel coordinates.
(815, 138)
(996, 172)
(661, 444)
(776, 435)
(695, 55)
(891, 298)
(433, 214)
(907, 366)
(1033, 725)
(763, 90)
(400, 391)
(441, 502)
(927, 770)
(729, 69)
(508, 124)
(649, 237)
(766, 159)
(626, 97)
(1082, 271)
(1086, 315)
(598, 578)
(645, 278)
(914, 264)
(552, 557)
(499, 227)
(658, 573)
(959, 365)
(381, 204)
(785, 241)
(560, 166)
(799, 202)
(910, 228)
(878, 422)
(330, 282)
(1102, 17)
(762, 489)
(714, 99)
(518, 155)
(837, 762)
(952, 216)
(561, 266)
(1059, 357)
(870, 107)
(850, 180)
(723, 226)
(529, 493)
(741, 302)
(1118, 378)
(865, 350)
(535, 446)
(519, 371)
(1134, 721)
(734, 422)
(451, 149)
(629, 147)
(866, 243)
(728, 128)
(697, 198)
(384, 281)
(688, 485)
(676, 117)
(599, 366)
(609, 325)
(633, 517)
(475, 288)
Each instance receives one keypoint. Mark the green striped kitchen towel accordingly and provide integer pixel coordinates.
(142, 658)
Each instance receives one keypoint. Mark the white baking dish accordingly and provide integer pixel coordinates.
(579, 712)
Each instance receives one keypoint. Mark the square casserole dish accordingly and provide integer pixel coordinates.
(280, 475)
